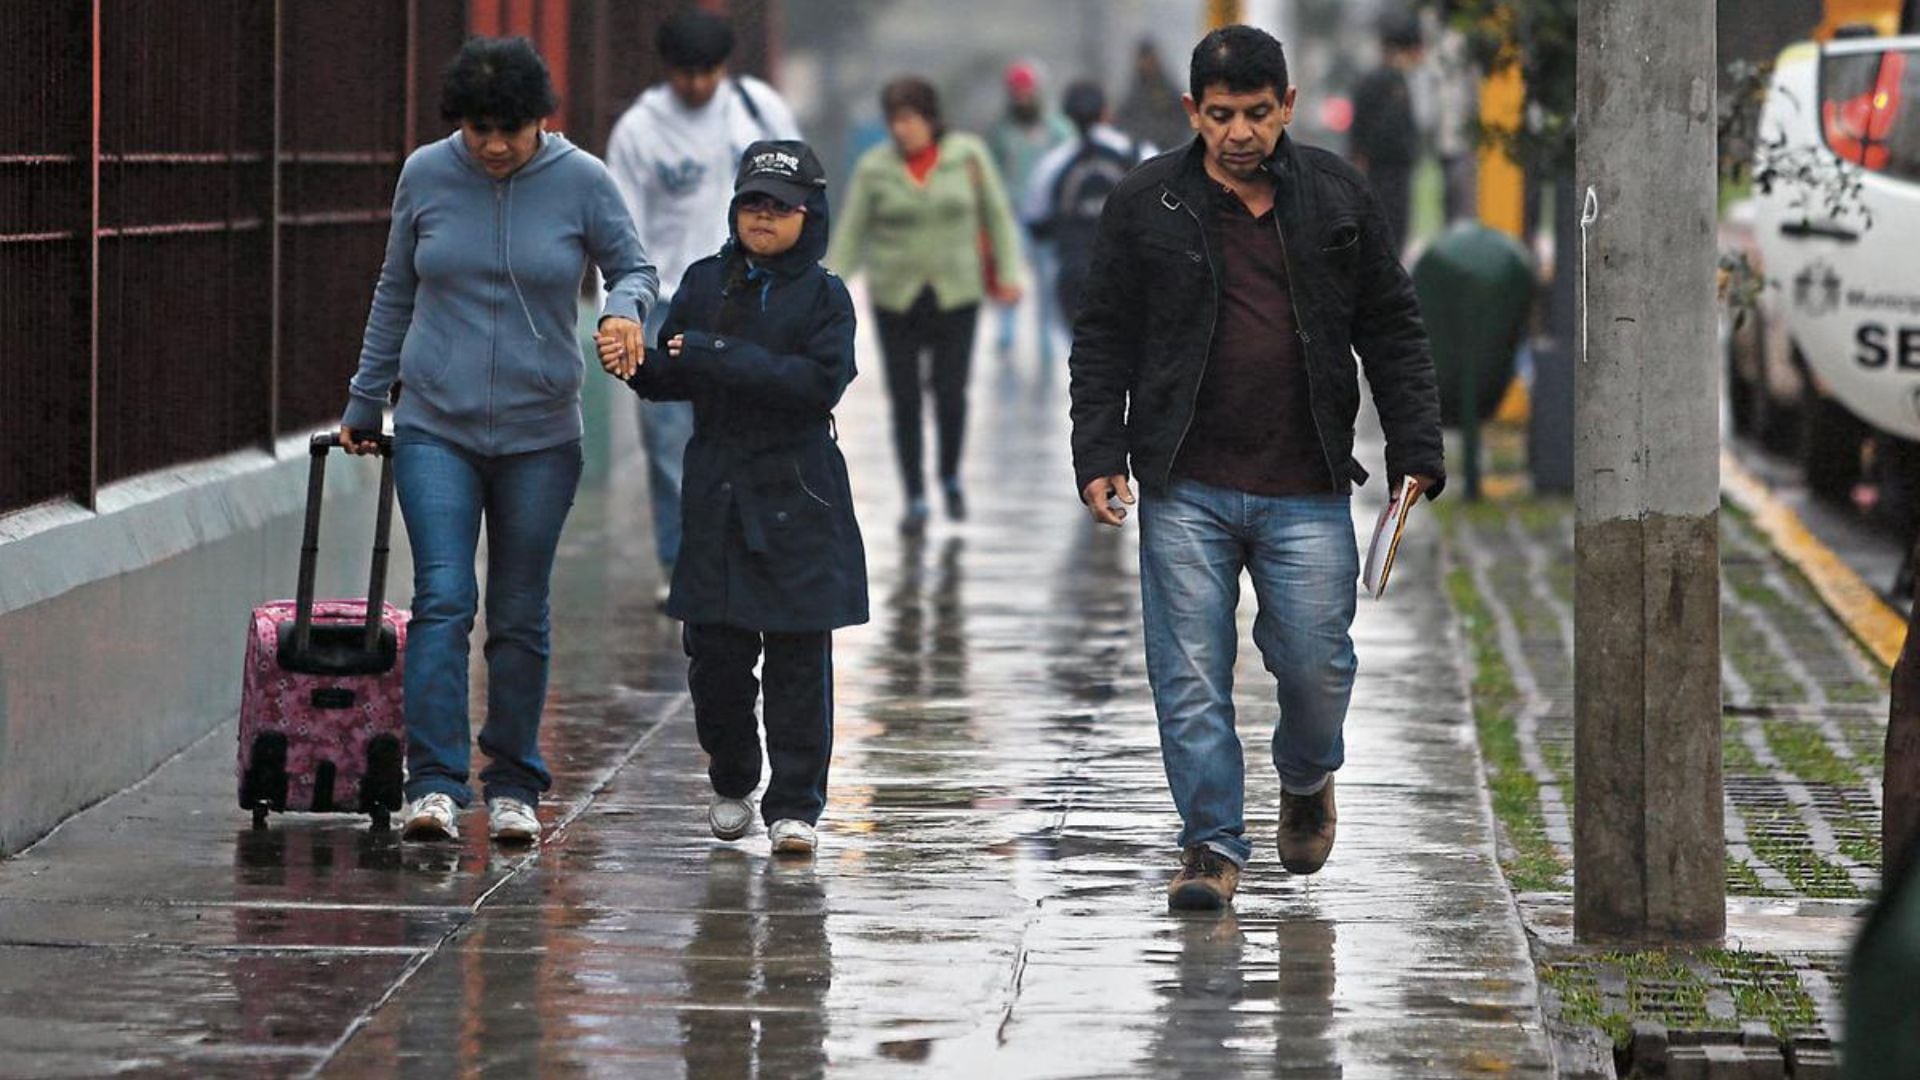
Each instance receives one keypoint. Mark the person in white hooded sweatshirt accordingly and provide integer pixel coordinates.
(673, 156)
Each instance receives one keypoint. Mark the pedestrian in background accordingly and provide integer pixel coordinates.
(929, 218)
(475, 312)
(1152, 108)
(760, 341)
(673, 154)
(1069, 188)
(1384, 143)
(1022, 135)
(1213, 356)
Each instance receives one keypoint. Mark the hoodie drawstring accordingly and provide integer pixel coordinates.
(524, 310)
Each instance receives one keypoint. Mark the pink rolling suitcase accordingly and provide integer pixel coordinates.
(321, 727)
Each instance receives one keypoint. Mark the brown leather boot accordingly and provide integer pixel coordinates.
(1306, 829)
(1206, 881)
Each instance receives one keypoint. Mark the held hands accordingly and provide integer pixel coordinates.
(1099, 497)
(622, 344)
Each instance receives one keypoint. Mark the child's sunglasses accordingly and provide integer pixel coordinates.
(767, 204)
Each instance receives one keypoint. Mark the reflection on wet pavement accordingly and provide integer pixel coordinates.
(988, 899)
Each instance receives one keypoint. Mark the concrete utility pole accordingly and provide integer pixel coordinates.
(1649, 836)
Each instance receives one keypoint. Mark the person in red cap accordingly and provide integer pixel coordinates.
(1018, 140)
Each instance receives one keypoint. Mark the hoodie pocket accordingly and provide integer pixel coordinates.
(424, 355)
(561, 375)
(531, 381)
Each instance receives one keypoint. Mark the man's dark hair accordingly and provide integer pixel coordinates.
(1246, 59)
(694, 40)
(916, 94)
(502, 80)
(1084, 103)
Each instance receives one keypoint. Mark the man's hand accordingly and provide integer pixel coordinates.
(1007, 295)
(622, 344)
(1101, 492)
(1421, 484)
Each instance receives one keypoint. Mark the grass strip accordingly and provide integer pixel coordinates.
(1672, 986)
(1531, 864)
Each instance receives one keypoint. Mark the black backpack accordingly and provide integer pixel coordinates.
(1080, 192)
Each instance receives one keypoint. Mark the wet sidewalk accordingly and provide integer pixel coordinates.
(988, 899)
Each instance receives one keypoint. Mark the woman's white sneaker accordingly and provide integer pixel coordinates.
(433, 817)
(512, 821)
(730, 818)
(792, 837)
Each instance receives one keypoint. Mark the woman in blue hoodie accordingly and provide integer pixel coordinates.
(493, 229)
(760, 339)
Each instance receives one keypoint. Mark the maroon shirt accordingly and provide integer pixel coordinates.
(1253, 427)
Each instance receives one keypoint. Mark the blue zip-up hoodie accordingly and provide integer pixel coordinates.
(477, 304)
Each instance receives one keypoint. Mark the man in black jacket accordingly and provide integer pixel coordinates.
(1385, 141)
(1233, 280)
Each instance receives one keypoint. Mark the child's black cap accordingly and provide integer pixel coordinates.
(786, 169)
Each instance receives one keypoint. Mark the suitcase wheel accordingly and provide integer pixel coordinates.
(260, 815)
(381, 784)
(382, 821)
(264, 784)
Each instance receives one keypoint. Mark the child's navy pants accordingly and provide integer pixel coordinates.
(798, 681)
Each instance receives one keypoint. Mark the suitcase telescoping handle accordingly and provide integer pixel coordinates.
(319, 447)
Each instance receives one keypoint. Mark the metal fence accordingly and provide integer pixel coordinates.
(192, 206)
(194, 197)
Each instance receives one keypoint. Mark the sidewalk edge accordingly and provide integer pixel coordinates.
(1564, 1058)
(1871, 621)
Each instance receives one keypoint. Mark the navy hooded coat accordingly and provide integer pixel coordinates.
(770, 542)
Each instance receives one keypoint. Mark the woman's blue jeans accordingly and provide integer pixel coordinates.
(1195, 540)
(446, 495)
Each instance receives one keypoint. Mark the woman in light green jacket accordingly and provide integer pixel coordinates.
(915, 217)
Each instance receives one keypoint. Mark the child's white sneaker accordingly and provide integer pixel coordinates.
(434, 817)
(512, 821)
(792, 837)
(730, 818)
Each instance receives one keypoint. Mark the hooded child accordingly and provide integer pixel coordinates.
(760, 340)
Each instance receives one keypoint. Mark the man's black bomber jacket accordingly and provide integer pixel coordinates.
(1145, 328)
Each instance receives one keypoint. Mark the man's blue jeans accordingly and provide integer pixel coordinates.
(665, 429)
(446, 494)
(1300, 551)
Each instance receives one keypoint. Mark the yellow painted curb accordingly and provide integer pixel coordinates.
(1877, 626)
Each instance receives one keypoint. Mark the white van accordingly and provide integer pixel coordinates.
(1831, 361)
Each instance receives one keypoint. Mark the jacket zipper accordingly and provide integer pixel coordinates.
(1306, 346)
(1213, 323)
(493, 311)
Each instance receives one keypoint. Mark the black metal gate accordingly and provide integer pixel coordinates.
(193, 201)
